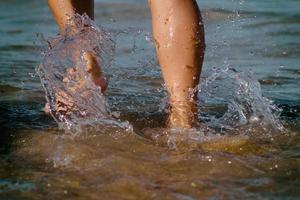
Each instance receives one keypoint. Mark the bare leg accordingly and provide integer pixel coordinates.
(63, 11)
(179, 37)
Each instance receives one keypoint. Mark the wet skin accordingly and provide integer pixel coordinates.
(179, 37)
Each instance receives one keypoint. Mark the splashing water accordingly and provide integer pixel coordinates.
(228, 99)
(73, 98)
(238, 100)
(232, 109)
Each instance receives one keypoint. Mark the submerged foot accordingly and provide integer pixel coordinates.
(94, 70)
(92, 67)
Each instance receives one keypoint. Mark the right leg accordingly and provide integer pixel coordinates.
(179, 36)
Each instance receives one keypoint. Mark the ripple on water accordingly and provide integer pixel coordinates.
(131, 166)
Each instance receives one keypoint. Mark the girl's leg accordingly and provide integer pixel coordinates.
(179, 36)
(63, 11)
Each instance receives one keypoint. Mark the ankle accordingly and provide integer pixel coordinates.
(182, 114)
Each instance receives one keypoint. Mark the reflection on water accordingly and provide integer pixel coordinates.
(241, 150)
(110, 165)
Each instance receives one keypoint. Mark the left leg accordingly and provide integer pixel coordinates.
(64, 11)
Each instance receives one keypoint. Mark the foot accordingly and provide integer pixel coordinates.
(63, 104)
(94, 69)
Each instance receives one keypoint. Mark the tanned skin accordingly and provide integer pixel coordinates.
(179, 37)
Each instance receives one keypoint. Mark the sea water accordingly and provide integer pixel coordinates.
(248, 105)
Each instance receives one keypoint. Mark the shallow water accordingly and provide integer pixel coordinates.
(237, 155)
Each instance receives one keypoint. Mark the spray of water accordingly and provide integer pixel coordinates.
(232, 109)
(74, 100)
(228, 100)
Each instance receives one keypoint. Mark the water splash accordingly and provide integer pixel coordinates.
(232, 111)
(230, 99)
(73, 98)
